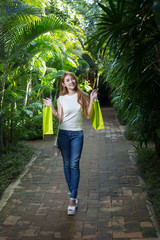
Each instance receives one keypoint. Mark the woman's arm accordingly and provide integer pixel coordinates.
(60, 110)
(58, 115)
(93, 96)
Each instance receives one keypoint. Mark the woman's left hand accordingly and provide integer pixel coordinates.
(93, 95)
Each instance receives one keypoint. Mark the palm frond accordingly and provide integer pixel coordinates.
(39, 4)
(14, 41)
(14, 16)
(46, 24)
(13, 8)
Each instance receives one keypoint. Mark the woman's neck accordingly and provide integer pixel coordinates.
(71, 92)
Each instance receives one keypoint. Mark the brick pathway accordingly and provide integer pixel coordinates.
(112, 204)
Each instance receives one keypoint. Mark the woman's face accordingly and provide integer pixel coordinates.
(69, 82)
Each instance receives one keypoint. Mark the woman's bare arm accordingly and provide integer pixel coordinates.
(59, 111)
(93, 96)
(58, 115)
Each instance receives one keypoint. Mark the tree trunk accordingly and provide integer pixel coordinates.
(3, 83)
(157, 145)
(27, 91)
(1, 131)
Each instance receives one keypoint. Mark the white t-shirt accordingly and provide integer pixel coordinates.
(72, 113)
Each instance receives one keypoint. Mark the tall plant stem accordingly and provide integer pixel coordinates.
(1, 105)
(27, 91)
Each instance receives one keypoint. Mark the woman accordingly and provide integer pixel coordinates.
(72, 105)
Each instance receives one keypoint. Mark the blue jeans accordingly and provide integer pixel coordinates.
(71, 144)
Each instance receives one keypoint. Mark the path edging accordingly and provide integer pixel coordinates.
(10, 189)
(148, 203)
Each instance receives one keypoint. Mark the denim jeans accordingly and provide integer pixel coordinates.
(71, 144)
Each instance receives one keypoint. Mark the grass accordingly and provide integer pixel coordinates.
(13, 160)
(149, 165)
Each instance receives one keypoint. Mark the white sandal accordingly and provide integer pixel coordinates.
(71, 210)
(76, 203)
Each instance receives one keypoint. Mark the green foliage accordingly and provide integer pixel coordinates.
(55, 126)
(24, 123)
(150, 168)
(32, 128)
(128, 38)
(12, 14)
(130, 133)
(21, 23)
(35, 51)
(13, 160)
(87, 70)
(85, 86)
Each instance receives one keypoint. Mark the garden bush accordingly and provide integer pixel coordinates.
(149, 166)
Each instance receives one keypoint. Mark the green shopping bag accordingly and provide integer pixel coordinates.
(47, 121)
(97, 119)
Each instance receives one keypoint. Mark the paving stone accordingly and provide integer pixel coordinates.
(148, 232)
(11, 220)
(92, 212)
(132, 226)
(127, 235)
(146, 224)
(104, 235)
(68, 235)
(46, 234)
(43, 211)
(31, 232)
(118, 222)
(145, 238)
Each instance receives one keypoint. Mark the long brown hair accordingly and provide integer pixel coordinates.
(82, 97)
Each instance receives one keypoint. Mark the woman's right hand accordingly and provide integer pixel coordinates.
(47, 102)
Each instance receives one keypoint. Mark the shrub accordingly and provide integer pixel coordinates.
(148, 163)
(13, 160)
